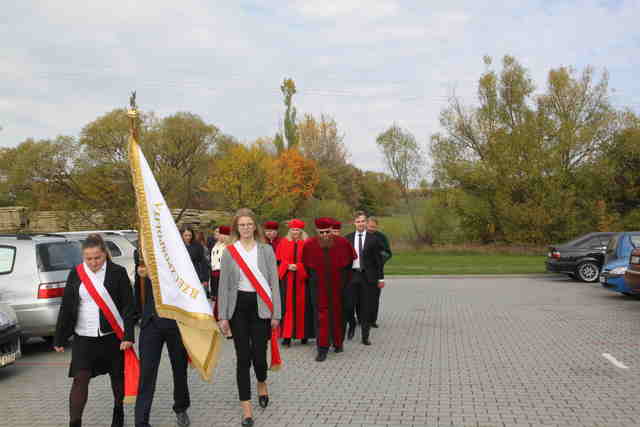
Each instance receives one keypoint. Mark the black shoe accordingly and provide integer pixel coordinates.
(366, 341)
(374, 325)
(247, 422)
(118, 417)
(182, 419)
(304, 341)
(263, 401)
(322, 356)
(339, 349)
(351, 332)
(76, 423)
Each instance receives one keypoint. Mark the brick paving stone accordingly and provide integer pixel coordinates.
(482, 352)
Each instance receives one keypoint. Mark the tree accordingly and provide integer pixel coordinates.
(321, 141)
(403, 158)
(527, 159)
(292, 181)
(288, 89)
(240, 178)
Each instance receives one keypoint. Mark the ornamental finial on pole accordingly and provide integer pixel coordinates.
(132, 112)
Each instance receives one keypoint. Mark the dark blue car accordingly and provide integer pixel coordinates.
(616, 261)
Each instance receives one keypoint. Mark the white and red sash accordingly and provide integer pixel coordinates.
(111, 313)
(263, 290)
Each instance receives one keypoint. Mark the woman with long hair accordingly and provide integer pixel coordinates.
(97, 292)
(197, 255)
(249, 305)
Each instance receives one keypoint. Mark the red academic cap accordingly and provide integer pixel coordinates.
(296, 223)
(225, 230)
(323, 223)
(337, 225)
(271, 225)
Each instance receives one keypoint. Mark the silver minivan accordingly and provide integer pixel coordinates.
(33, 274)
(119, 246)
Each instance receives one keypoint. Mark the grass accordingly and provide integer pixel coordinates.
(427, 263)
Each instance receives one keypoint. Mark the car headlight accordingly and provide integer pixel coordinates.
(618, 271)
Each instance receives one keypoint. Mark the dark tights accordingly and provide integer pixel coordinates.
(80, 392)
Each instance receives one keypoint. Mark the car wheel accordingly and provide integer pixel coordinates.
(588, 272)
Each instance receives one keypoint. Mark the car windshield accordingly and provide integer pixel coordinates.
(56, 256)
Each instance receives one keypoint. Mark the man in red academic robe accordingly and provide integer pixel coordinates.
(271, 233)
(297, 319)
(336, 228)
(327, 262)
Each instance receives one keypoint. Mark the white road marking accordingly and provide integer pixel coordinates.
(614, 361)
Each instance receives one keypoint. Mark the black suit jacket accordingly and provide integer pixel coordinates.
(117, 283)
(371, 258)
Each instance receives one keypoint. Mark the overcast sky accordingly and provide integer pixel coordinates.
(368, 63)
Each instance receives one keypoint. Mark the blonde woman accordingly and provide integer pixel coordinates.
(297, 318)
(249, 306)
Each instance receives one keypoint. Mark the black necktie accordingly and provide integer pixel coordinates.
(360, 248)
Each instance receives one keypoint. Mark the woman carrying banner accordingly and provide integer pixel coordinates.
(249, 305)
(98, 310)
(297, 318)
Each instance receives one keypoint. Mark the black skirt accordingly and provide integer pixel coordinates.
(100, 355)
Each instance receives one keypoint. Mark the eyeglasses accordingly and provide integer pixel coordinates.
(324, 232)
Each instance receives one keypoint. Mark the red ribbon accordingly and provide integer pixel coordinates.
(131, 362)
(276, 361)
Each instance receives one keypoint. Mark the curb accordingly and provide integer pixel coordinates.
(472, 276)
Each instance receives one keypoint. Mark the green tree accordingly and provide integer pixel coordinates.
(288, 89)
(404, 159)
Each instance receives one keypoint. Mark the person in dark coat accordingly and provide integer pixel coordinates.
(197, 255)
(372, 227)
(96, 350)
(367, 274)
(156, 331)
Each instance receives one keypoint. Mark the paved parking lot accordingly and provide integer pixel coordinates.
(450, 351)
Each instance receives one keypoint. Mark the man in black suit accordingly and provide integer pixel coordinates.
(154, 332)
(366, 276)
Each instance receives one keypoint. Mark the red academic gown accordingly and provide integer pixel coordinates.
(328, 274)
(297, 321)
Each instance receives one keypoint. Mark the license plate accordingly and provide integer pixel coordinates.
(9, 358)
(603, 279)
(635, 260)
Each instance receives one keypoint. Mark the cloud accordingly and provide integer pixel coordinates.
(367, 63)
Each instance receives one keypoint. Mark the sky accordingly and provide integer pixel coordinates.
(367, 63)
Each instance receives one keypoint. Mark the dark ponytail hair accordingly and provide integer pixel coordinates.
(96, 241)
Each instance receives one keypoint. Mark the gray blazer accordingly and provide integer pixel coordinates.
(230, 275)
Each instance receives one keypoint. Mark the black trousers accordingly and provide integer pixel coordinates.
(250, 337)
(153, 336)
(375, 304)
(360, 296)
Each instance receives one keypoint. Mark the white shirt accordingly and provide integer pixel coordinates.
(251, 258)
(216, 255)
(88, 323)
(356, 262)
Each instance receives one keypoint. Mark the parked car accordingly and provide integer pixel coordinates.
(581, 258)
(632, 275)
(34, 270)
(616, 260)
(10, 333)
(120, 247)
